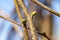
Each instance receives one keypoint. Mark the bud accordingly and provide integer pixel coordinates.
(33, 13)
(23, 21)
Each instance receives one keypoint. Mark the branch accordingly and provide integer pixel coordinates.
(22, 20)
(10, 20)
(16, 28)
(14, 25)
(44, 35)
(45, 7)
(29, 19)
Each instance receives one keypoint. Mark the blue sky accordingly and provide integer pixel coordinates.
(6, 5)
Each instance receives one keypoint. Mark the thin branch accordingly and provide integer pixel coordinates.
(8, 19)
(16, 28)
(29, 19)
(14, 25)
(45, 7)
(26, 37)
(44, 35)
(18, 9)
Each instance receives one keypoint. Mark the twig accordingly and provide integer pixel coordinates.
(14, 25)
(29, 19)
(8, 19)
(45, 7)
(18, 9)
(44, 35)
(26, 37)
(16, 28)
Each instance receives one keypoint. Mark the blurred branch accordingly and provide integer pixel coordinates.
(8, 19)
(29, 19)
(18, 9)
(14, 25)
(45, 7)
(25, 33)
(44, 35)
(16, 28)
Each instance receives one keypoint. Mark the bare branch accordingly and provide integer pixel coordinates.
(8, 19)
(44, 35)
(14, 25)
(16, 28)
(45, 7)
(26, 37)
(29, 19)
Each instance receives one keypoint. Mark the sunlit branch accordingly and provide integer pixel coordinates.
(45, 7)
(29, 19)
(23, 22)
(12, 21)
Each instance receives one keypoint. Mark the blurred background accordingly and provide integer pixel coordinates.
(44, 21)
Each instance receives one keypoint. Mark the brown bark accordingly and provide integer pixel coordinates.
(25, 33)
(29, 19)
